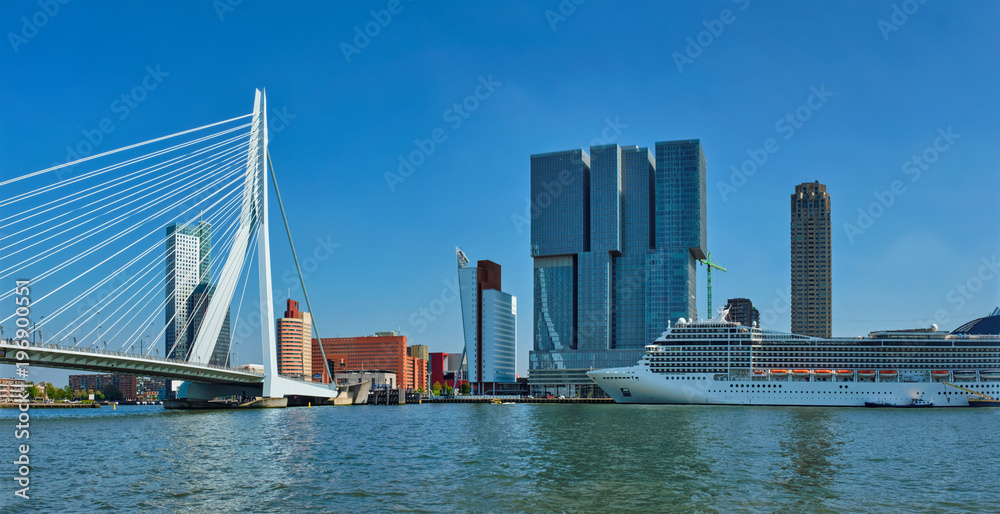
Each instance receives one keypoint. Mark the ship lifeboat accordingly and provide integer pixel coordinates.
(888, 373)
(758, 372)
(823, 372)
(779, 372)
(866, 373)
(940, 374)
(964, 374)
(844, 373)
(989, 374)
(801, 372)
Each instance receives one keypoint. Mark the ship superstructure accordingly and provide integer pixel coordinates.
(722, 362)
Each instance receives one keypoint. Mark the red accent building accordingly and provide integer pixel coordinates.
(294, 332)
(439, 373)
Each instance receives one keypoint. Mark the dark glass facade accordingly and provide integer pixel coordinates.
(614, 235)
(197, 305)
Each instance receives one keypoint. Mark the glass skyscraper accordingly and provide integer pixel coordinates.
(188, 261)
(489, 319)
(197, 306)
(615, 238)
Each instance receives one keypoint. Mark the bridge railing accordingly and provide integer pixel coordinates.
(97, 351)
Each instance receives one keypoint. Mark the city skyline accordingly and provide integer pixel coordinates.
(899, 123)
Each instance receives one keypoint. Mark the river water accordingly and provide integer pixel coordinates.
(525, 457)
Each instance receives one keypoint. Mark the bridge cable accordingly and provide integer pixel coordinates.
(109, 152)
(281, 207)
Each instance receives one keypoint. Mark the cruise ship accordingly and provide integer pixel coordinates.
(720, 362)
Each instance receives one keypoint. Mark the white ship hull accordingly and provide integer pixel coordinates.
(637, 385)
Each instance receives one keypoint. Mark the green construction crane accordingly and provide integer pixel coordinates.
(708, 262)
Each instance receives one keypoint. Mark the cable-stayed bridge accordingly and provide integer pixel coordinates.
(152, 246)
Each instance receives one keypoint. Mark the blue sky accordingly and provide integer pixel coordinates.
(894, 77)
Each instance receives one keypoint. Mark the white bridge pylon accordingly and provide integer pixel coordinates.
(253, 215)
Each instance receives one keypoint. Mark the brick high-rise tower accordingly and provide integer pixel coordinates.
(812, 277)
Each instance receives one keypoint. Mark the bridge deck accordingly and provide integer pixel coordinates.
(115, 362)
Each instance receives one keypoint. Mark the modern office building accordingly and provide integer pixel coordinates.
(383, 351)
(615, 238)
(197, 305)
(741, 310)
(188, 260)
(294, 341)
(811, 271)
(489, 320)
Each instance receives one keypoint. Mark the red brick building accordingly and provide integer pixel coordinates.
(383, 351)
(416, 370)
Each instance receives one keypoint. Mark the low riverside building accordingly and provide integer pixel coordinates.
(443, 368)
(128, 384)
(378, 378)
(10, 389)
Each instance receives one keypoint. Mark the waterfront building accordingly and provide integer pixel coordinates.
(384, 350)
(294, 341)
(741, 310)
(443, 367)
(422, 352)
(489, 319)
(615, 239)
(811, 266)
(187, 263)
(416, 369)
(149, 389)
(11, 389)
(379, 378)
(127, 383)
(197, 305)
